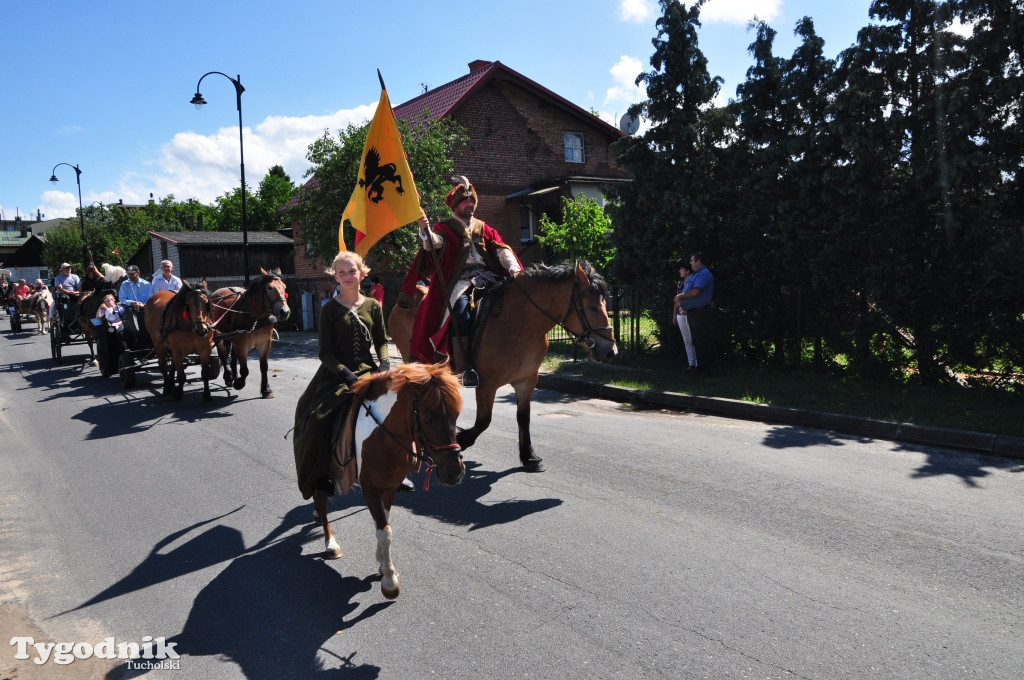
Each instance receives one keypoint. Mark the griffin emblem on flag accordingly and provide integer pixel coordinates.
(375, 174)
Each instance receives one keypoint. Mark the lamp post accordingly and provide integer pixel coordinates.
(86, 255)
(198, 102)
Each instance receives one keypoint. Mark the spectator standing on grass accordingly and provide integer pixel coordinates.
(697, 303)
(679, 315)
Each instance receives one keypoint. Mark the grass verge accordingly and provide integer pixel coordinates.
(976, 408)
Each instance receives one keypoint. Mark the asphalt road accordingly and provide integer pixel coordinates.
(657, 545)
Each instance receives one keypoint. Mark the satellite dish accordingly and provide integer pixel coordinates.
(629, 124)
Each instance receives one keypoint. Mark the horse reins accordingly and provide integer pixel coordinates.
(163, 318)
(418, 436)
(576, 304)
(230, 309)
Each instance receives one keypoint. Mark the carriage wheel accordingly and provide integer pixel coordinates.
(126, 371)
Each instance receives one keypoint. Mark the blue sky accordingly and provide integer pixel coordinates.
(107, 85)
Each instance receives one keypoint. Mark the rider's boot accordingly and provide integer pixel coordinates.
(463, 364)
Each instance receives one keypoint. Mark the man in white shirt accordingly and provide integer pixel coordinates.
(67, 284)
(165, 280)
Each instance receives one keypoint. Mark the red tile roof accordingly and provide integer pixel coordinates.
(443, 100)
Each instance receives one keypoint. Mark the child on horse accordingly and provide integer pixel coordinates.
(350, 324)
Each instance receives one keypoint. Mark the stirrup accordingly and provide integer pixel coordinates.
(470, 378)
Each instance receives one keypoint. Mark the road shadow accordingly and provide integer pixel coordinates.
(458, 505)
(271, 610)
(789, 437)
(969, 467)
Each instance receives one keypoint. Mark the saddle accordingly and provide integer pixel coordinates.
(342, 466)
(484, 303)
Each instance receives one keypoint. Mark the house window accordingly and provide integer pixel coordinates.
(526, 224)
(574, 147)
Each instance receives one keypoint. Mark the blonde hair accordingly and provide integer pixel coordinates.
(351, 258)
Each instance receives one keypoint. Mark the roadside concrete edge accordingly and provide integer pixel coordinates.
(977, 442)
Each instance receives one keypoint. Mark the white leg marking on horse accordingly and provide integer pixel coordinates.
(388, 575)
(332, 548)
(365, 425)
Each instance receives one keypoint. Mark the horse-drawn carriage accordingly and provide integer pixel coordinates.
(66, 328)
(185, 328)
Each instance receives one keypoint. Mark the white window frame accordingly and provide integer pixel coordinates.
(574, 149)
(528, 230)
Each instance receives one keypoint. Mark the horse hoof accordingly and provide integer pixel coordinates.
(390, 594)
(238, 383)
(534, 465)
(268, 395)
(333, 550)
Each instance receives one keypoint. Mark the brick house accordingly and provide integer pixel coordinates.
(528, 148)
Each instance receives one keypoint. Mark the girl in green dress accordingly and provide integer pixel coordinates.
(350, 325)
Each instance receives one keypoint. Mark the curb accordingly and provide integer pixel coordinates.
(907, 433)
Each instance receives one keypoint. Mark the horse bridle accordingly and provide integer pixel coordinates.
(419, 437)
(257, 316)
(576, 303)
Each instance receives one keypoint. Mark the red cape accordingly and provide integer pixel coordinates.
(429, 335)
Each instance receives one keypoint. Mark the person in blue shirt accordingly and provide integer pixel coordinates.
(133, 294)
(697, 303)
(135, 290)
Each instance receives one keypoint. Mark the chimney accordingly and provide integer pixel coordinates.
(478, 64)
(39, 215)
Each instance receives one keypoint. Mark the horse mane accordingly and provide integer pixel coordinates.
(266, 278)
(567, 271)
(441, 387)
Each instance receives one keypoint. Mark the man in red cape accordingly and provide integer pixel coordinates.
(469, 254)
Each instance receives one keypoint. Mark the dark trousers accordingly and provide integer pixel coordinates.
(701, 323)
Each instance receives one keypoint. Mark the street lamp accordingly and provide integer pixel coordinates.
(86, 255)
(198, 102)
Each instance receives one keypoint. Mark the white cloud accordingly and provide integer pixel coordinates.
(740, 11)
(961, 29)
(204, 167)
(637, 11)
(625, 91)
(207, 166)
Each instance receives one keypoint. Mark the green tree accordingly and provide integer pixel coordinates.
(583, 234)
(430, 147)
(672, 205)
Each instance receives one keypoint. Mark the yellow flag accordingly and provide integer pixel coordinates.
(385, 197)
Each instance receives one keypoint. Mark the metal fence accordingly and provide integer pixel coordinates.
(626, 316)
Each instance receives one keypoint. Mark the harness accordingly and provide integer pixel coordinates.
(164, 329)
(575, 304)
(259, 321)
(419, 438)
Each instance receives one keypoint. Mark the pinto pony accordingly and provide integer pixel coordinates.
(397, 420)
(245, 319)
(38, 304)
(510, 346)
(180, 325)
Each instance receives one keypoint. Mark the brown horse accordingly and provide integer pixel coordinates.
(88, 304)
(513, 342)
(397, 420)
(245, 319)
(180, 325)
